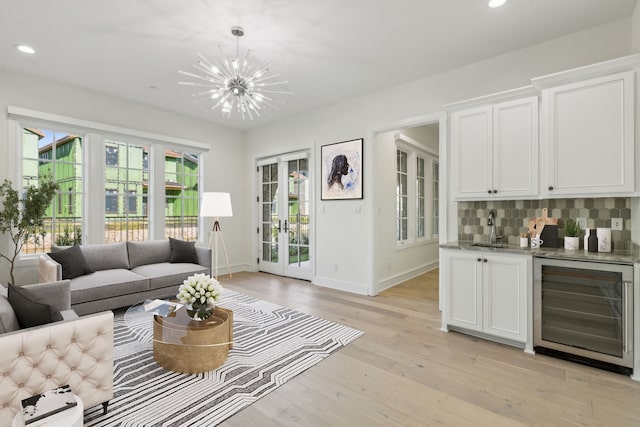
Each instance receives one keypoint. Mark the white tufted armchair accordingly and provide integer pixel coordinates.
(78, 352)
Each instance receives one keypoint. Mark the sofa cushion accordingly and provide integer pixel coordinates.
(148, 252)
(8, 318)
(28, 310)
(106, 256)
(106, 284)
(183, 251)
(56, 294)
(73, 262)
(168, 274)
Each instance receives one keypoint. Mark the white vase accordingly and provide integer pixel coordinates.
(572, 243)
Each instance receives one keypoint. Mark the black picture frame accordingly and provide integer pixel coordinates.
(341, 170)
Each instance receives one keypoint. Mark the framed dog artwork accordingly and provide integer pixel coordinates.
(341, 170)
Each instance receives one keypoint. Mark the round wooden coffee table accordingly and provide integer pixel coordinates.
(189, 346)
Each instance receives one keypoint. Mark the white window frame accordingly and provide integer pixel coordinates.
(415, 150)
(94, 135)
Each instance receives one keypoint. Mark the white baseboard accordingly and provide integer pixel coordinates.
(396, 279)
(235, 268)
(356, 288)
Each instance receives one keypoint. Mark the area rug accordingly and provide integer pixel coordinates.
(271, 345)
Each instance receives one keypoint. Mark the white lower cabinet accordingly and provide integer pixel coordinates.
(486, 293)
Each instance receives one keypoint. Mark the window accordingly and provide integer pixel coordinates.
(111, 201)
(70, 205)
(420, 198)
(132, 202)
(436, 199)
(111, 155)
(416, 193)
(402, 197)
(46, 152)
(118, 195)
(130, 180)
(181, 172)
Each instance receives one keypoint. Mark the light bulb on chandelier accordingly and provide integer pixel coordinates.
(236, 84)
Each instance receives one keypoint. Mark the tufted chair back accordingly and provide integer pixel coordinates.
(77, 352)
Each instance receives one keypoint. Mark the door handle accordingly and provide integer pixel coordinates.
(286, 226)
(279, 225)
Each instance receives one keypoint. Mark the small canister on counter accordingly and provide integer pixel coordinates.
(604, 239)
(524, 240)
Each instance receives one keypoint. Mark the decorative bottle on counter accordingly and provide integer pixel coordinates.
(586, 239)
(593, 240)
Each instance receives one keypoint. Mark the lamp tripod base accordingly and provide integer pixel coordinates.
(217, 232)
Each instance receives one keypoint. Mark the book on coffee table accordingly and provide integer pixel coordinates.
(160, 307)
(50, 402)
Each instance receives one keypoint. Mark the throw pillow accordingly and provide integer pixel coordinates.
(8, 318)
(182, 251)
(73, 262)
(28, 311)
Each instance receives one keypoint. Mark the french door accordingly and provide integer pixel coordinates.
(285, 216)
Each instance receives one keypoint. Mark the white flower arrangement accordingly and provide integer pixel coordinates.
(199, 289)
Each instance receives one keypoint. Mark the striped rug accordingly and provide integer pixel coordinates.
(272, 344)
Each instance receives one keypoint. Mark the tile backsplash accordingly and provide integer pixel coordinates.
(512, 217)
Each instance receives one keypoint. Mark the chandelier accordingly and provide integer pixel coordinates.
(237, 83)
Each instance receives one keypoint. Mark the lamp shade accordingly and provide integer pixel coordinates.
(215, 205)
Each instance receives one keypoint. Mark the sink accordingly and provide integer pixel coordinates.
(490, 245)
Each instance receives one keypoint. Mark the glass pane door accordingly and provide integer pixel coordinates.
(583, 308)
(284, 224)
(270, 223)
(297, 223)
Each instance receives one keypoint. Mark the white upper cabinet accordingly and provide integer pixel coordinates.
(515, 148)
(472, 138)
(495, 150)
(588, 137)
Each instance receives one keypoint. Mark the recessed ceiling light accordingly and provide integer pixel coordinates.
(25, 49)
(496, 3)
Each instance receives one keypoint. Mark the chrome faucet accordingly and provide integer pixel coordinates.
(491, 222)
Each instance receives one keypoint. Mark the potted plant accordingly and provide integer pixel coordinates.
(23, 218)
(571, 235)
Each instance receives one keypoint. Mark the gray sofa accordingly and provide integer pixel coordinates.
(125, 273)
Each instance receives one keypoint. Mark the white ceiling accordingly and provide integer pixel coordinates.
(328, 50)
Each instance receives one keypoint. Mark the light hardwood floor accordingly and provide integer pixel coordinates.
(404, 371)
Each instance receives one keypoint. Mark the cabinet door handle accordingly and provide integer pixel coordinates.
(479, 259)
(485, 260)
(489, 191)
(495, 191)
(551, 188)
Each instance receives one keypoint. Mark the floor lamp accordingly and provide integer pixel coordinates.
(216, 205)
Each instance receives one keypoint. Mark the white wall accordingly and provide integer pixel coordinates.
(635, 29)
(344, 230)
(224, 163)
(428, 135)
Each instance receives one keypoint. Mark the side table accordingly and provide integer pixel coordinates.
(72, 417)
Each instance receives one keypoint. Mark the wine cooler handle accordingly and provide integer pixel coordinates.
(628, 314)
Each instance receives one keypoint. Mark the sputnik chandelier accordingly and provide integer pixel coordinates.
(236, 84)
